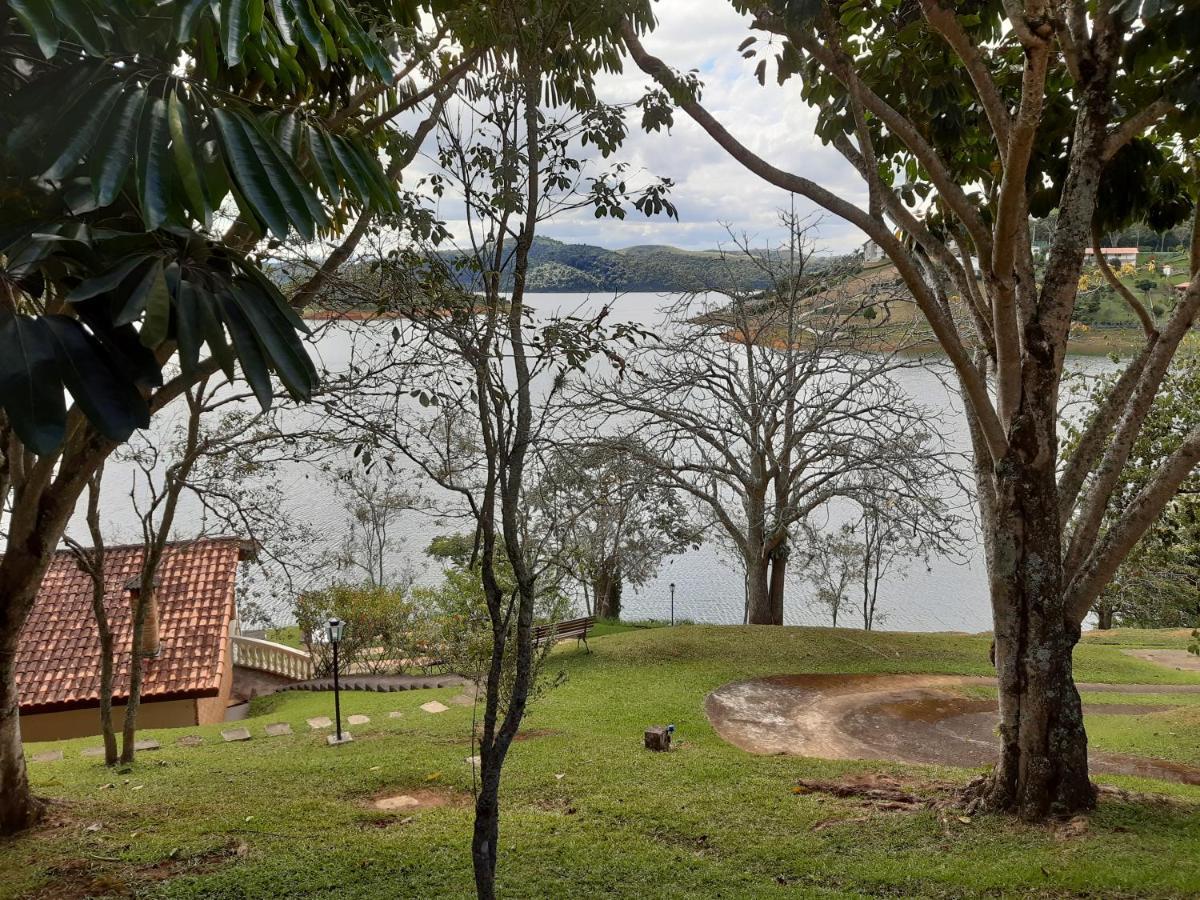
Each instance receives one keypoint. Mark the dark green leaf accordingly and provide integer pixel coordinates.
(234, 15)
(249, 173)
(153, 186)
(99, 284)
(188, 327)
(38, 18)
(111, 160)
(277, 339)
(82, 22)
(111, 403)
(282, 23)
(189, 12)
(31, 392)
(156, 324)
(326, 167)
(249, 353)
(98, 106)
(185, 162)
(310, 29)
(301, 204)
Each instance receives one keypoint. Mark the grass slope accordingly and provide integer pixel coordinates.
(587, 811)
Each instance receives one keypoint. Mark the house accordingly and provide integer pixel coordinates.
(1119, 255)
(188, 660)
(871, 252)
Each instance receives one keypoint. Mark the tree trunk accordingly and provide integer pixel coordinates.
(1043, 766)
(486, 833)
(19, 809)
(607, 591)
(778, 581)
(758, 594)
(1104, 615)
(106, 696)
(137, 665)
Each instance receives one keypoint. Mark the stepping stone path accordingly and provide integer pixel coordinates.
(279, 729)
(236, 734)
(48, 756)
(434, 706)
(320, 722)
(146, 745)
(92, 752)
(395, 714)
(472, 761)
(190, 740)
(359, 720)
(463, 700)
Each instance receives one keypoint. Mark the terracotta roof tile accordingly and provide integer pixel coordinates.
(58, 660)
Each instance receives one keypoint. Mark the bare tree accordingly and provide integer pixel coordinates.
(832, 564)
(91, 561)
(763, 409)
(373, 505)
(607, 523)
(1050, 131)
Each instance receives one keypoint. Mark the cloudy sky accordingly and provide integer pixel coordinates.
(711, 190)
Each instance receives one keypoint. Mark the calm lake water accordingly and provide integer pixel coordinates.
(946, 595)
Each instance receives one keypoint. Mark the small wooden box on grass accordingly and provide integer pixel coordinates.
(658, 737)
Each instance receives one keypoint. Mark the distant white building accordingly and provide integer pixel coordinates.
(1120, 255)
(871, 252)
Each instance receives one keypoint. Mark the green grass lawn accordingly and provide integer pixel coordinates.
(587, 812)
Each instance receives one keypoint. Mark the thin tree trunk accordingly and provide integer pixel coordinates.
(136, 668)
(104, 633)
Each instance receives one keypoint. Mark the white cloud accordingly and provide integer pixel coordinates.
(711, 190)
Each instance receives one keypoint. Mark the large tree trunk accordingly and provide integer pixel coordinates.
(758, 594)
(18, 807)
(607, 590)
(1043, 767)
(778, 581)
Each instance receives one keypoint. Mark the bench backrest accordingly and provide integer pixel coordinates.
(565, 629)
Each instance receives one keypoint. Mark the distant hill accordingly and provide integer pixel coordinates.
(558, 266)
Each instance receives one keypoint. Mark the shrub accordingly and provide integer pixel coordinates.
(381, 634)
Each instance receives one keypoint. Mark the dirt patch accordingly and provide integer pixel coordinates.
(535, 733)
(416, 799)
(1180, 660)
(80, 879)
(896, 718)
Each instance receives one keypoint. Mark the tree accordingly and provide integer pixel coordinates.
(832, 564)
(607, 524)
(761, 411)
(895, 524)
(91, 561)
(113, 175)
(373, 505)
(1083, 107)
(462, 390)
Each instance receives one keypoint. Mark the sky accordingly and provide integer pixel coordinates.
(711, 190)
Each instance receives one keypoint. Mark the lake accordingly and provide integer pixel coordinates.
(947, 595)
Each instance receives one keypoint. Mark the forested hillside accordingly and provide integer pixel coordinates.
(557, 266)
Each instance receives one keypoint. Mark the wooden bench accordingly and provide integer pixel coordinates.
(561, 631)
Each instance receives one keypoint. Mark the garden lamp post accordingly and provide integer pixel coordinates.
(333, 630)
(672, 603)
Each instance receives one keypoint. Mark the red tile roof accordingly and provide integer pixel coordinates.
(58, 660)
